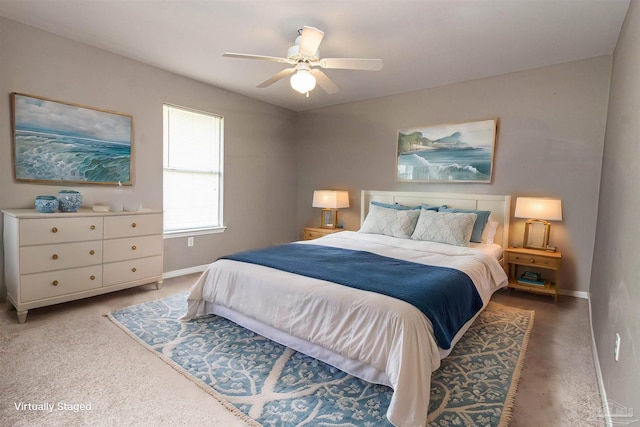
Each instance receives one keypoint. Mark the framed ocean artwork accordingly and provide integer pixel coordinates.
(61, 142)
(460, 152)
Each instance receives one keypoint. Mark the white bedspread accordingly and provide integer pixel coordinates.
(388, 334)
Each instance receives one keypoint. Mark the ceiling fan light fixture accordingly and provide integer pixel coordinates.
(302, 57)
(303, 81)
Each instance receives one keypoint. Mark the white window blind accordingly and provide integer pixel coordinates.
(192, 162)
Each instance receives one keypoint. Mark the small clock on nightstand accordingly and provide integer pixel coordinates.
(311, 233)
(540, 259)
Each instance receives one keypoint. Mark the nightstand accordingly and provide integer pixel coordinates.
(311, 233)
(539, 259)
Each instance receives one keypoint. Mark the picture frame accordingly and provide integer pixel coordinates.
(458, 152)
(66, 143)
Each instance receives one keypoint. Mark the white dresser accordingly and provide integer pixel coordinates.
(51, 258)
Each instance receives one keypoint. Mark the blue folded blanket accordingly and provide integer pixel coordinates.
(445, 295)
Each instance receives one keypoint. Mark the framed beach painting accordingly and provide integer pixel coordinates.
(461, 152)
(61, 142)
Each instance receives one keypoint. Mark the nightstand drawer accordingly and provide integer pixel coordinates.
(533, 260)
(310, 235)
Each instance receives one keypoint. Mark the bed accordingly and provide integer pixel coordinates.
(380, 337)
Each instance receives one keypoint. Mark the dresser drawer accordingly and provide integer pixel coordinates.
(34, 259)
(59, 230)
(534, 260)
(132, 247)
(131, 270)
(56, 283)
(132, 225)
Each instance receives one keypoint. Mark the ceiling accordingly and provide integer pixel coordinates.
(423, 43)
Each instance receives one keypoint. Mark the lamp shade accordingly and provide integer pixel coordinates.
(330, 199)
(539, 208)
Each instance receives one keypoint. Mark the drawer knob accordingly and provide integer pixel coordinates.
(54, 230)
(531, 260)
(55, 256)
(93, 227)
(134, 270)
(133, 225)
(92, 277)
(92, 252)
(133, 248)
(54, 283)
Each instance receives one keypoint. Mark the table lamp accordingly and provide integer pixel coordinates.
(330, 201)
(538, 211)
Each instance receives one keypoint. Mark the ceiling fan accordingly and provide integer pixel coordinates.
(304, 56)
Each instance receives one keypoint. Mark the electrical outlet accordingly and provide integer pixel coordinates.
(616, 352)
(189, 241)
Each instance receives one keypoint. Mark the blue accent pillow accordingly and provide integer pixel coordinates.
(480, 224)
(396, 206)
(433, 208)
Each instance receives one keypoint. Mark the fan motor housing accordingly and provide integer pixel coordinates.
(294, 54)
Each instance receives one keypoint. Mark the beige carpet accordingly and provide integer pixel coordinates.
(72, 354)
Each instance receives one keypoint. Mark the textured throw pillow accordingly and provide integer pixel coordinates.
(444, 227)
(390, 222)
(478, 227)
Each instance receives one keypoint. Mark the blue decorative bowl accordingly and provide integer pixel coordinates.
(69, 200)
(46, 204)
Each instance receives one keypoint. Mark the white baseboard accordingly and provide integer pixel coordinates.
(185, 271)
(596, 362)
(576, 294)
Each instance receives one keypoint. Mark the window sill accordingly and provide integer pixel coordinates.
(194, 232)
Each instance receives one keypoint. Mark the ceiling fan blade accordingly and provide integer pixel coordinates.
(325, 82)
(271, 80)
(310, 39)
(260, 57)
(350, 63)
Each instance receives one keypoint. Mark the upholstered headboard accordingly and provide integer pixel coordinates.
(500, 206)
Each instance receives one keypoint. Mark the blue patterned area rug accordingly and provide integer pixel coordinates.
(268, 384)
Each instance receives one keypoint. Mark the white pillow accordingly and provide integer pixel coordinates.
(444, 227)
(390, 222)
(492, 227)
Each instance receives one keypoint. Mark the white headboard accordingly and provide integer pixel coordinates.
(500, 206)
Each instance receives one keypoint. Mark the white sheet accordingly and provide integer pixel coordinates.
(492, 249)
(388, 335)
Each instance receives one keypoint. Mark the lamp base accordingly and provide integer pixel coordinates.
(536, 239)
(329, 218)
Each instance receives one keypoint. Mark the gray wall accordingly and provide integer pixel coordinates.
(259, 153)
(550, 142)
(615, 282)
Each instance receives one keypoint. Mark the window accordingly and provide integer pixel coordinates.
(192, 162)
